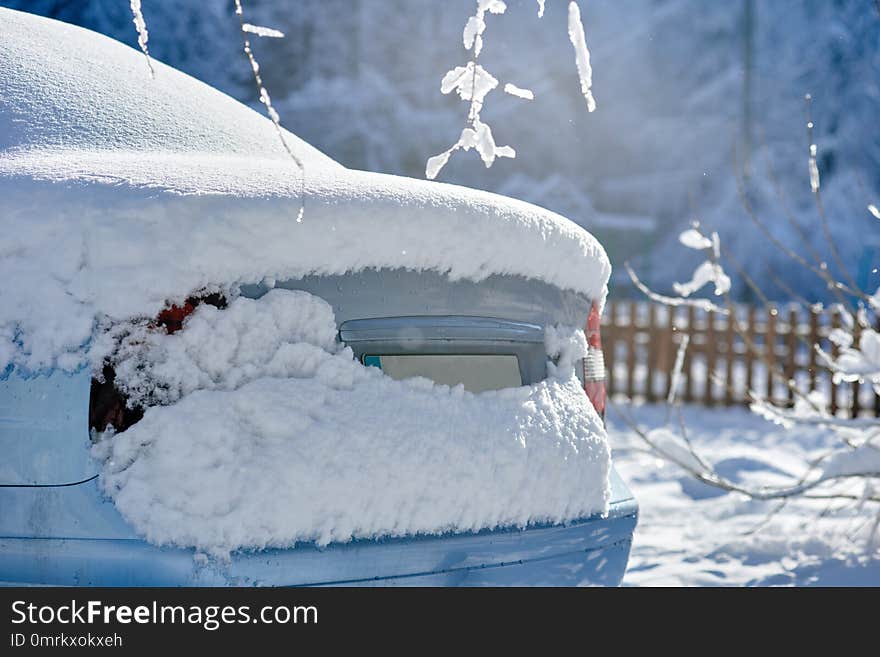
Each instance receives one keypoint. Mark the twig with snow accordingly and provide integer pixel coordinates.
(473, 83)
(248, 28)
(581, 54)
(815, 188)
(858, 456)
(143, 36)
(673, 448)
(836, 287)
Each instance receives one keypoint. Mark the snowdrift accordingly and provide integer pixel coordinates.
(280, 437)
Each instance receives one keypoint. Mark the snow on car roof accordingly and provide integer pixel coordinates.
(123, 192)
(62, 86)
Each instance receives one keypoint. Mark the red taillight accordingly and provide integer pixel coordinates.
(172, 318)
(594, 363)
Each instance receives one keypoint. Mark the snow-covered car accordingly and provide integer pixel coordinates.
(209, 377)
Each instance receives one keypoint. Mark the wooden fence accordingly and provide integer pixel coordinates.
(641, 341)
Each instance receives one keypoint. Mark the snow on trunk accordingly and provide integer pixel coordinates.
(279, 436)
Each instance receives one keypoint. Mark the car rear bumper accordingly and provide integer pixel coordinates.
(591, 551)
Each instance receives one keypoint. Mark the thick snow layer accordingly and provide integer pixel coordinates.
(283, 334)
(335, 450)
(120, 193)
(566, 344)
(63, 87)
(80, 250)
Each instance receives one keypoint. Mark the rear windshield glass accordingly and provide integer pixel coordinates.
(477, 372)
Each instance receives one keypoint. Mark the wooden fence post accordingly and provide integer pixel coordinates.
(688, 356)
(791, 349)
(814, 340)
(877, 396)
(609, 346)
(668, 352)
(855, 405)
(654, 341)
(770, 351)
(749, 356)
(731, 360)
(835, 323)
(711, 352)
(631, 351)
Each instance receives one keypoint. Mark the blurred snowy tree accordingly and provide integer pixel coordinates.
(359, 79)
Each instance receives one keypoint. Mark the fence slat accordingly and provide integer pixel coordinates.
(835, 323)
(609, 346)
(731, 358)
(770, 351)
(855, 406)
(877, 397)
(814, 339)
(631, 351)
(711, 353)
(791, 352)
(749, 356)
(688, 356)
(668, 352)
(654, 340)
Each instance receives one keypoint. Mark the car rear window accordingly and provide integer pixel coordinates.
(476, 372)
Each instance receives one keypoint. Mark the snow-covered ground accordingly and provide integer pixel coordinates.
(694, 535)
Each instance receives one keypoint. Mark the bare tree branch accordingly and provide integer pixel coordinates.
(270, 110)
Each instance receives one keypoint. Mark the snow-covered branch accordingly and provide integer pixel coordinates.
(473, 83)
(260, 31)
(143, 36)
(856, 358)
(581, 54)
